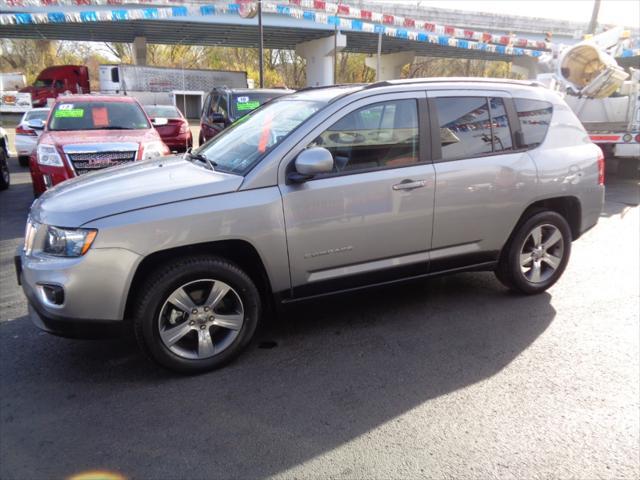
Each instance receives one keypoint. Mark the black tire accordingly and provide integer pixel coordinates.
(23, 161)
(509, 270)
(157, 288)
(5, 176)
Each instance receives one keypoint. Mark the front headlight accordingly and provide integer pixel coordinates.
(153, 150)
(66, 242)
(48, 155)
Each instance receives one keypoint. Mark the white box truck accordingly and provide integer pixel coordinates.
(185, 88)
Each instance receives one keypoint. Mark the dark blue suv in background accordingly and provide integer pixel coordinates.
(223, 106)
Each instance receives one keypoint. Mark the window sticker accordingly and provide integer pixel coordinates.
(100, 117)
(70, 113)
(243, 99)
(247, 105)
(66, 106)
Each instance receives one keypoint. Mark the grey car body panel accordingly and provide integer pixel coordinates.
(324, 229)
(354, 219)
(130, 187)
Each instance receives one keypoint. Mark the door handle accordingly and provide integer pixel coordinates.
(409, 184)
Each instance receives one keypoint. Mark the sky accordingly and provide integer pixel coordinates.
(615, 12)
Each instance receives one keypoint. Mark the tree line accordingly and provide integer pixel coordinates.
(282, 68)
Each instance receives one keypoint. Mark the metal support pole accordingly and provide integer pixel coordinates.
(261, 49)
(335, 50)
(378, 57)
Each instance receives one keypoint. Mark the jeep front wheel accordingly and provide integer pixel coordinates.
(196, 314)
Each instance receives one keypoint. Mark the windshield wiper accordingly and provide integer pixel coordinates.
(202, 158)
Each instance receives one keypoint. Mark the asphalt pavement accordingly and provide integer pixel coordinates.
(447, 378)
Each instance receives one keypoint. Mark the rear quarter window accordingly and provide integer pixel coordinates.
(535, 118)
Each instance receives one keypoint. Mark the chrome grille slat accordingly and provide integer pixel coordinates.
(84, 162)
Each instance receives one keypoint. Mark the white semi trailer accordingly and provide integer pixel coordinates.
(185, 88)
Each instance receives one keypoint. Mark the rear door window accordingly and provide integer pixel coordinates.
(472, 127)
(535, 117)
(465, 130)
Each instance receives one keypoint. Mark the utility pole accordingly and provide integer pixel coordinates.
(594, 17)
(261, 49)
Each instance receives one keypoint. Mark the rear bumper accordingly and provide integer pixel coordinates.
(25, 145)
(180, 143)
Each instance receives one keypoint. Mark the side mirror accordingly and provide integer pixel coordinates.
(36, 124)
(159, 121)
(311, 162)
(217, 117)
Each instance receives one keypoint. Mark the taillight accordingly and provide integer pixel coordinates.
(600, 168)
(638, 138)
(25, 131)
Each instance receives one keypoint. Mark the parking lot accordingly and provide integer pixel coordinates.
(450, 377)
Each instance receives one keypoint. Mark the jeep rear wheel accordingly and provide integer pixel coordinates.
(196, 314)
(537, 254)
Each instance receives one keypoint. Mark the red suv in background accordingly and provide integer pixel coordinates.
(86, 133)
(171, 125)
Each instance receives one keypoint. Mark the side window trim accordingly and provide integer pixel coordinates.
(514, 124)
(434, 131)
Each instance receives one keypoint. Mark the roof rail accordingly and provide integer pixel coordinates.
(408, 81)
(331, 86)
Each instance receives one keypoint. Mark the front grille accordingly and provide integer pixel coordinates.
(89, 162)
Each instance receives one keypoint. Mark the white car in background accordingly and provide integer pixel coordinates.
(26, 137)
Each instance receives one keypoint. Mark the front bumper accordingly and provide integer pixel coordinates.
(95, 290)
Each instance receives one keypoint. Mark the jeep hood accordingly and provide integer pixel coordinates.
(138, 185)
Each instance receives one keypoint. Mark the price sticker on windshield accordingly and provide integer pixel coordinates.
(69, 113)
(66, 106)
(248, 105)
(243, 99)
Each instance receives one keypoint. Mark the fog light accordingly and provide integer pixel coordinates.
(53, 293)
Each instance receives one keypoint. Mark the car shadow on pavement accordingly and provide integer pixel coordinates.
(337, 369)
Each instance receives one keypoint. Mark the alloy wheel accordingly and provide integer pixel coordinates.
(541, 253)
(201, 319)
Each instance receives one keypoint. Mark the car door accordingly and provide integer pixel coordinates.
(369, 221)
(483, 182)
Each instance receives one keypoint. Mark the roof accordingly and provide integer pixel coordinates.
(482, 80)
(95, 98)
(281, 91)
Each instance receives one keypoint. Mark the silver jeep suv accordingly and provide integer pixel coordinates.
(322, 191)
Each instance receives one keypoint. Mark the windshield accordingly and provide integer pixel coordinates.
(37, 115)
(98, 116)
(243, 103)
(47, 82)
(239, 147)
(162, 111)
